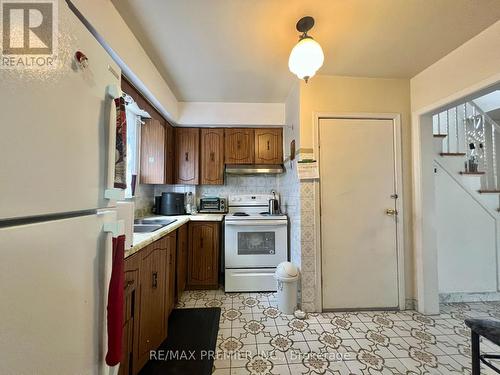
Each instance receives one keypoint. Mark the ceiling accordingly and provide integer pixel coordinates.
(237, 50)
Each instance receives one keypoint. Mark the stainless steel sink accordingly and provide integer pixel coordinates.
(163, 222)
(151, 225)
(146, 228)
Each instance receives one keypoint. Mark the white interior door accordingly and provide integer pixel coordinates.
(359, 248)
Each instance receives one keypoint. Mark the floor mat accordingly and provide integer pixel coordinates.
(190, 344)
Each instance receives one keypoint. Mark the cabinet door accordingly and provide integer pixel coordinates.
(130, 326)
(203, 255)
(169, 154)
(239, 146)
(268, 146)
(152, 305)
(182, 251)
(187, 143)
(212, 156)
(152, 152)
(172, 259)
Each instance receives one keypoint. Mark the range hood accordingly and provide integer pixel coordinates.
(252, 169)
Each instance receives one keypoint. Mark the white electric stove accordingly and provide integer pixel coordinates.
(254, 244)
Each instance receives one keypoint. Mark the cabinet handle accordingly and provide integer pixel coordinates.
(155, 280)
(129, 283)
(186, 156)
(268, 145)
(238, 144)
(201, 242)
(212, 156)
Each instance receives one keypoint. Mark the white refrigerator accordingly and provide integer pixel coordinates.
(57, 135)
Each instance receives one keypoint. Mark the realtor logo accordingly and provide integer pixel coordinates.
(29, 37)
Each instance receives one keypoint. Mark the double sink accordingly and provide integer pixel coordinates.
(151, 225)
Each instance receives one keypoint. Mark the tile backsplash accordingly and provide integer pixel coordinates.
(143, 200)
(263, 184)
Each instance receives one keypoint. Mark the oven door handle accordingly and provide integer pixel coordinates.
(249, 223)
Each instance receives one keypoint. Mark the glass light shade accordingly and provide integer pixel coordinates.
(306, 58)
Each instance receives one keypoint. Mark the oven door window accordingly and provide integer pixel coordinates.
(256, 243)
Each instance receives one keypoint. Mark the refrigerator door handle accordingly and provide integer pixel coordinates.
(117, 228)
(111, 192)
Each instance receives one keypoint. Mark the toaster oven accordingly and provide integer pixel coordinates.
(213, 205)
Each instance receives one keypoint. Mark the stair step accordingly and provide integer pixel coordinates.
(452, 153)
(471, 173)
(440, 135)
(488, 191)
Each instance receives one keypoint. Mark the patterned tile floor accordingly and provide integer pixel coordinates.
(255, 338)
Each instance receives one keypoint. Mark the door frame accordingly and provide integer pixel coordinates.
(398, 172)
(424, 232)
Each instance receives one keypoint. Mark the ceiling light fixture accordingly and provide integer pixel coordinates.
(307, 56)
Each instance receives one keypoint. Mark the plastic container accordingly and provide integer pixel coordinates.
(287, 276)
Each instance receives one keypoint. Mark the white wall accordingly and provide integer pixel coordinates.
(471, 67)
(289, 185)
(104, 17)
(231, 114)
(107, 21)
(466, 239)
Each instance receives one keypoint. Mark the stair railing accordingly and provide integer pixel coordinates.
(467, 124)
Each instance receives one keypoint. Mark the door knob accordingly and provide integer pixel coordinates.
(391, 212)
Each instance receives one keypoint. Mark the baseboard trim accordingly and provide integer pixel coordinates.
(469, 297)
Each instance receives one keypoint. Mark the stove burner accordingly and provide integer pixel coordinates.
(265, 213)
(241, 214)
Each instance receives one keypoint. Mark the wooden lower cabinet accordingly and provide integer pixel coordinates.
(182, 258)
(149, 299)
(171, 295)
(153, 281)
(203, 255)
(130, 328)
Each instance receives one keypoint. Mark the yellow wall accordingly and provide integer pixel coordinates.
(365, 95)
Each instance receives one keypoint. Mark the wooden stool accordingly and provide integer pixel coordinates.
(489, 329)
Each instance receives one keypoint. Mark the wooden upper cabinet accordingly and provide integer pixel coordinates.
(169, 154)
(239, 146)
(152, 152)
(212, 157)
(268, 146)
(203, 255)
(187, 144)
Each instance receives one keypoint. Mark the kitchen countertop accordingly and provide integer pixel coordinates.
(141, 240)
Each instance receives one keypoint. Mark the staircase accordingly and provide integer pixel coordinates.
(454, 130)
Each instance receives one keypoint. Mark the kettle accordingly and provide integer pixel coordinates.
(274, 205)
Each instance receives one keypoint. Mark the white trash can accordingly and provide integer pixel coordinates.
(287, 276)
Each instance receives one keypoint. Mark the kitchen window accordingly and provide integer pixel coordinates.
(135, 116)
